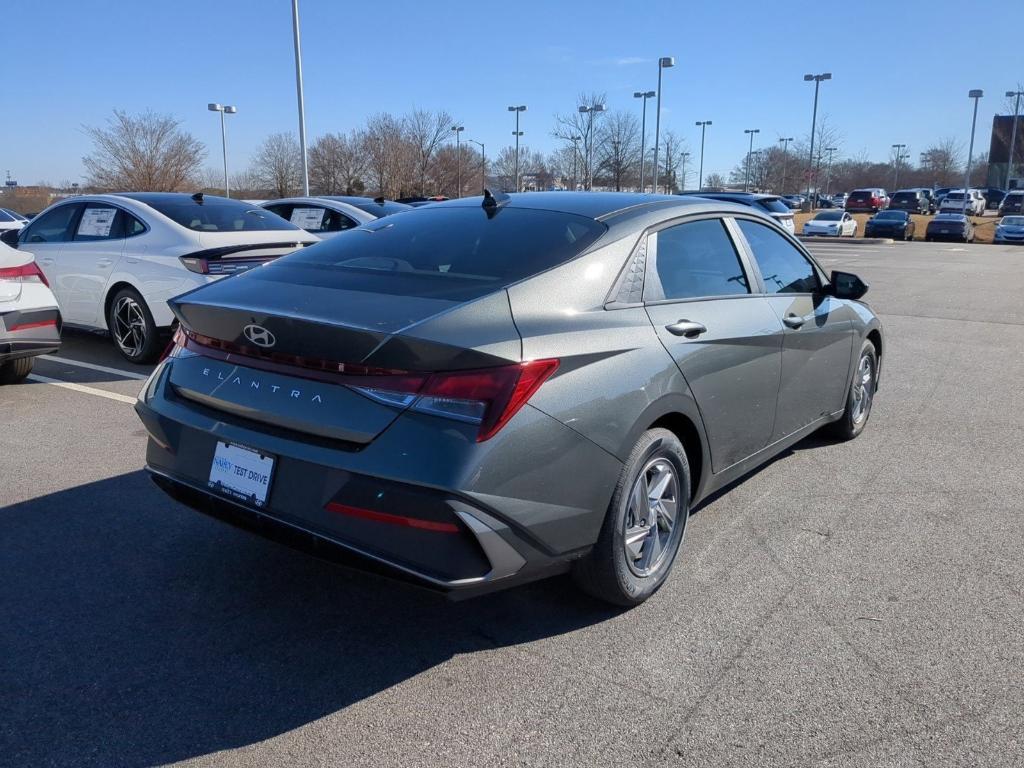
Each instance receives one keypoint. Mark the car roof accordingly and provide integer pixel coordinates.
(594, 205)
(748, 196)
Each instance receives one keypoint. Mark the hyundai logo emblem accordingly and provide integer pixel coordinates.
(259, 335)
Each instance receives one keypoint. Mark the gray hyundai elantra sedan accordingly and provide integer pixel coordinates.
(487, 391)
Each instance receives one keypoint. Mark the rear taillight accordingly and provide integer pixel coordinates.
(199, 266)
(26, 273)
(488, 397)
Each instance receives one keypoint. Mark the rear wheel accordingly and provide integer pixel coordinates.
(644, 525)
(860, 396)
(132, 328)
(15, 371)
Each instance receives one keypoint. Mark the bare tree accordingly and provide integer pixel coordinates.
(671, 159)
(147, 152)
(826, 135)
(427, 132)
(389, 154)
(713, 181)
(943, 163)
(618, 149)
(587, 125)
(277, 165)
(337, 164)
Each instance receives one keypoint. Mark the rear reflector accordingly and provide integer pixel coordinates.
(26, 273)
(387, 517)
(52, 323)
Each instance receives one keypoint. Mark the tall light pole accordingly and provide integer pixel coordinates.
(1013, 133)
(896, 165)
(828, 173)
(700, 174)
(483, 164)
(223, 109)
(663, 63)
(785, 161)
(975, 94)
(589, 111)
(683, 158)
(746, 176)
(814, 125)
(302, 105)
(645, 95)
(517, 133)
(458, 129)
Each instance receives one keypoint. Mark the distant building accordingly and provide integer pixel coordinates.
(999, 152)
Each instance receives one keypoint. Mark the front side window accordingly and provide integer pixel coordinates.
(783, 267)
(697, 259)
(53, 226)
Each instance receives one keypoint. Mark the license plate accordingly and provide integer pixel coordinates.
(943, 231)
(241, 472)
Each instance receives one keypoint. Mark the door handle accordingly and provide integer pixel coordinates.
(687, 328)
(793, 321)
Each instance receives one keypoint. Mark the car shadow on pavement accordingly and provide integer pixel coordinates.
(134, 631)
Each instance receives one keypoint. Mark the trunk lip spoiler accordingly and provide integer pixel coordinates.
(213, 254)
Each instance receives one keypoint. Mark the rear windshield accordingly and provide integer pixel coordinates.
(904, 197)
(860, 196)
(220, 215)
(774, 205)
(456, 253)
(955, 196)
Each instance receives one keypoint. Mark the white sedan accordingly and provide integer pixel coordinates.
(328, 215)
(832, 223)
(29, 317)
(115, 260)
(10, 220)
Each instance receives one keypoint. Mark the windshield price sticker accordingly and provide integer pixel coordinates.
(308, 218)
(97, 222)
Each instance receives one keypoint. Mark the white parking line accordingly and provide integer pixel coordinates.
(95, 367)
(82, 388)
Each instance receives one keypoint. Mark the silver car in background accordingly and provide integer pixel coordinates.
(492, 390)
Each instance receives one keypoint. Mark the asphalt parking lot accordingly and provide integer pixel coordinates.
(848, 604)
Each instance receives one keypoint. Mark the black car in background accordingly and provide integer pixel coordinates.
(993, 197)
(895, 224)
(910, 201)
(953, 227)
(1012, 203)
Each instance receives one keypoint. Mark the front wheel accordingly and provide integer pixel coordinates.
(131, 326)
(860, 396)
(643, 526)
(15, 371)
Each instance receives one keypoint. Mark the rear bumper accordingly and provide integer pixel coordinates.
(420, 502)
(29, 333)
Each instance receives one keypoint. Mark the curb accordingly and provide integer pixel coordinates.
(847, 240)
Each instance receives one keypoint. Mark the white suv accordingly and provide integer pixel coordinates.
(114, 260)
(954, 202)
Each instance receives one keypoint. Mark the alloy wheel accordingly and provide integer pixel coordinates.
(650, 520)
(129, 326)
(863, 389)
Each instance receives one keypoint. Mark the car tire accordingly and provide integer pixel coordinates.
(619, 568)
(132, 329)
(863, 383)
(15, 371)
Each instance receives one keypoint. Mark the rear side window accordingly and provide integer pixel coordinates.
(313, 218)
(219, 215)
(696, 259)
(455, 253)
(783, 268)
(53, 226)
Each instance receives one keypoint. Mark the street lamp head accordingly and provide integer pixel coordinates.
(214, 107)
(667, 61)
(977, 93)
(230, 110)
(518, 133)
(826, 76)
(808, 78)
(1011, 94)
(640, 94)
(598, 108)
(583, 110)
(458, 128)
(520, 108)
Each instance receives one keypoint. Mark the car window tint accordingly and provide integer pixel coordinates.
(698, 259)
(132, 226)
(218, 215)
(783, 267)
(99, 222)
(53, 226)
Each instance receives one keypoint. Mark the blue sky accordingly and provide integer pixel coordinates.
(739, 64)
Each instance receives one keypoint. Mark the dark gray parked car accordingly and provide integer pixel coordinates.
(488, 391)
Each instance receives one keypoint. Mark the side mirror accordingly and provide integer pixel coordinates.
(10, 237)
(846, 285)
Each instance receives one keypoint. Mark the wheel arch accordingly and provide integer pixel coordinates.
(112, 291)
